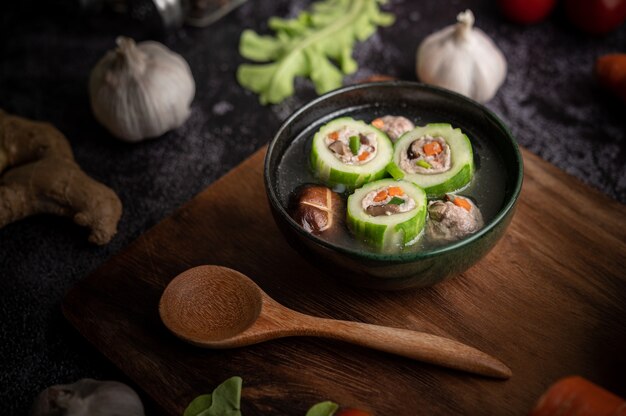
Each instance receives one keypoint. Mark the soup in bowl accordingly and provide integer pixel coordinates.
(393, 185)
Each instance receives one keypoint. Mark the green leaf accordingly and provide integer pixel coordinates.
(258, 48)
(323, 73)
(317, 44)
(198, 405)
(322, 409)
(224, 401)
(291, 27)
(396, 201)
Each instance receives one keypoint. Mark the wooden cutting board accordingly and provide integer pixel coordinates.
(549, 301)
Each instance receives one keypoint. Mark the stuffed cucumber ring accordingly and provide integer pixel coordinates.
(437, 157)
(387, 213)
(350, 152)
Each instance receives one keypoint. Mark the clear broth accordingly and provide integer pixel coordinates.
(487, 188)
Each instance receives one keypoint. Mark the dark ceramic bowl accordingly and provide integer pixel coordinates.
(493, 145)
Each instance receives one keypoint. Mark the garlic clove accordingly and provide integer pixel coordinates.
(88, 397)
(462, 58)
(141, 91)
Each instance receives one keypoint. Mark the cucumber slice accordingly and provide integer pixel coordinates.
(332, 171)
(436, 184)
(387, 232)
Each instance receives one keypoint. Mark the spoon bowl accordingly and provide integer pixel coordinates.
(208, 305)
(217, 307)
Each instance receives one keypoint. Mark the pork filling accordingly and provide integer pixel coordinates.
(393, 126)
(452, 218)
(388, 200)
(352, 147)
(427, 155)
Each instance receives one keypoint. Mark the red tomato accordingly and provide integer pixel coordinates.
(526, 11)
(353, 412)
(596, 16)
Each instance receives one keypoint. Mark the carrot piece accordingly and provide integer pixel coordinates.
(432, 148)
(381, 196)
(333, 136)
(364, 155)
(462, 202)
(575, 396)
(395, 191)
(610, 70)
(378, 123)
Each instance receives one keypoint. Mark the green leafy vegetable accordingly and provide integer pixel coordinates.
(423, 164)
(322, 409)
(224, 401)
(355, 144)
(199, 405)
(305, 46)
(396, 201)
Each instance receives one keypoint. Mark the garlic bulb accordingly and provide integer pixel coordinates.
(463, 59)
(141, 90)
(88, 397)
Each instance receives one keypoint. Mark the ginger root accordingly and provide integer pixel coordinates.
(38, 175)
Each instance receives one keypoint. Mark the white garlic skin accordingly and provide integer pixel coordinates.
(88, 397)
(141, 91)
(462, 58)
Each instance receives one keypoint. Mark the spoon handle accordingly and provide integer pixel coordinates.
(411, 344)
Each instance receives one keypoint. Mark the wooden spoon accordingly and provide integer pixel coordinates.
(217, 307)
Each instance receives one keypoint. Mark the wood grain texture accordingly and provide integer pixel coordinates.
(549, 301)
(218, 307)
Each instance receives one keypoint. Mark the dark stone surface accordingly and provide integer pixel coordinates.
(550, 100)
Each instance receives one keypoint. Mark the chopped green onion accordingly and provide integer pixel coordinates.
(355, 145)
(423, 164)
(396, 201)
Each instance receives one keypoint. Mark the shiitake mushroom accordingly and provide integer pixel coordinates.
(317, 209)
